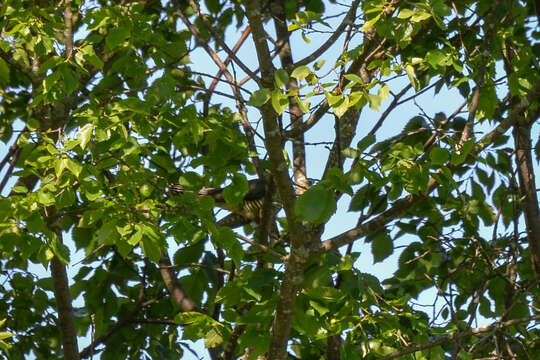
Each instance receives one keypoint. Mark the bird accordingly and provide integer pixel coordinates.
(248, 211)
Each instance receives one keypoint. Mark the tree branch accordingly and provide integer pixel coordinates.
(348, 19)
(531, 212)
(459, 335)
(295, 113)
(68, 32)
(174, 287)
(65, 311)
(260, 246)
(221, 43)
(217, 78)
(281, 326)
(88, 351)
(408, 202)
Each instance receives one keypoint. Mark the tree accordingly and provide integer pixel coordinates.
(106, 109)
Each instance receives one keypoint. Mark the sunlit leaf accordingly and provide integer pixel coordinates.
(259, 97)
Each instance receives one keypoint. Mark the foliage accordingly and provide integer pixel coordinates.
(105, 104)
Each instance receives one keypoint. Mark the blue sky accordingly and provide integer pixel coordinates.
(447, 101)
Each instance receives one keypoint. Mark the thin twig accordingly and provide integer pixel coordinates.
(260, 246)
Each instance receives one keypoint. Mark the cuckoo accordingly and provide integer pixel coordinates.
(248, 211)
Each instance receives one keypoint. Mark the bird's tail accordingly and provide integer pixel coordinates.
(176, 188)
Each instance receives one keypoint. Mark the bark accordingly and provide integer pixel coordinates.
(408, 202)
(174, 287)
(65, 311)
(282, 323)
(285, 55)
(333, 344)
(457, 336)
(525, 170)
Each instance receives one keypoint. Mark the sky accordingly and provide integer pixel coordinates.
(447, 100)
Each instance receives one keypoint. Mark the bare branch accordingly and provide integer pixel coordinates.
(221, 43)
(174, 287)
(460, 335)
(348, 19)
(217, 78)
(406, 203)
(260, 246)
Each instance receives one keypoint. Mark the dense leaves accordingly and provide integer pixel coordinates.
(405, 140)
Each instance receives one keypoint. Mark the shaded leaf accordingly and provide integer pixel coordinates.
(316, 205)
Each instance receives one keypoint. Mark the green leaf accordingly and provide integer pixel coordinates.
(439, 156)
(341, 107)
(464, 355)
(150, 248)
(117, 36)
(364, 143)
(301, 72)
(59, 166)
(420, 16)
(74, 167)
(107, 233)
(302, 104)
(325, 293)
(4, 72)
(136, 237)
(235, 192)
(305, 38)
(190, 179)
(405, 14)
(189, 254)
(440, 8)
(259, 97)
(20, 189)
(253, 293)
(60, 250)
(188, 318)
(90, 217)
(84, 135)
(293, 26)
(132, 104)
(316, 205)
(321, 309)
(280, 101)
(374, 101)
(333, 99)
(3, 334)
(409, 69)
(486, 103)
(281, 78)
(436, 58)
(335, 179)
(46, 198)
(213, 5)
(215, 336)
(319, 64)
(384, 91)
(381, 246)
(369, 24)
(66, 199)
(458, 157)
(71, 82)
(354, 79)
(224, 238)
(89, 55)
